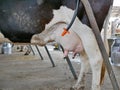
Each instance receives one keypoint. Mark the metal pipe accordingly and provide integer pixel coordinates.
(53, 64)
(70, 64)
(32, 49)
(74, 16)
(39, 52)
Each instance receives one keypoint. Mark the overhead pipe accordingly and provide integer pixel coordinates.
(73, 19)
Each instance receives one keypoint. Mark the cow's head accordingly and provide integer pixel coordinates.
(50, 34)
(56, 23)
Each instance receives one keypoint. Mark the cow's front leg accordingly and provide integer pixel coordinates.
(80, 84)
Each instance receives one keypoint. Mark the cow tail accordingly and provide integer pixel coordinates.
(105, 26)
(103, 70)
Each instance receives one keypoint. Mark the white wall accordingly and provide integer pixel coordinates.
(116, 3)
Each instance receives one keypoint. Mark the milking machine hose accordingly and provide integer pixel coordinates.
(73, 19)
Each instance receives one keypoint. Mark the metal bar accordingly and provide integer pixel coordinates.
(32, 49)
(49, 56)
(100, 43)
(70, 65)
(39, 52)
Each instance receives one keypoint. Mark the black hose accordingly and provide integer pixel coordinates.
(74, 16)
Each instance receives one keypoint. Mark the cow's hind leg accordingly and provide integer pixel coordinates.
(96, 65)
(80, 84)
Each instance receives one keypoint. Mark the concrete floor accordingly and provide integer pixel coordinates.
(20, 72)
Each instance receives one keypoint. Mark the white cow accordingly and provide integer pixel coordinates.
(80, 39)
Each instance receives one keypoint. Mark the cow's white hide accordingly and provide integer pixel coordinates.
(80, 34)
(1, 35)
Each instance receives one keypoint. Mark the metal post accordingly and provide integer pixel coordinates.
(32, 49)
(70, 65)
(49, 56)
(39, 52)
